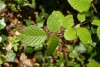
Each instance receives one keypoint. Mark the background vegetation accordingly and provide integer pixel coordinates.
(49, 33)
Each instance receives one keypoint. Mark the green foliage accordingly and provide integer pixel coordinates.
(84, 35)
(80, 5)
(93, 63)
(81, 48)
(33, 36)
(72, 64)
(28, 49)
(14, 41)
(28, 22)
(33, 4)
(13, 7)
(10, 56)
(20, 2)
(0, 38)
(2, 23)
(52, 45)
(54, 21)
(70, 34)
(16, 5)
(61, 61)
(39, 57)
(41, 18)
(2, 5)
(81, 17)
(68, 21)
(2, 26)
(70, 48)
(96, 22)
(70, 43)
(98, 32)
(73, 54)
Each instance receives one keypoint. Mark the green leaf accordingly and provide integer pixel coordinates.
(39, 57)
(93, 63)
(38, 47)
(81, 59)
(40, 21)
(13, 7)
(2, 60)
(0, 38)
(28, 22)
(52, 45)
(70, 48)
(20, 2)
(2, 6)
(68, 21)
(84, 35)
(98, 32)
(2, 23)
(71, 64)
(33, 36)
(54, 21)
(70, 34)
(81, 48)
(41, 18)
(96, 22)
(89, 49)
(74, 54)
(80, 5)
(33, 5)
(81, 17)
(77, 65)
(77, 26)
(10, 56)
(61, 60)
(28, 49)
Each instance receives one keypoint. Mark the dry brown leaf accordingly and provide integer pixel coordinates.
(27, 63)
(23, 57)
(9, 46)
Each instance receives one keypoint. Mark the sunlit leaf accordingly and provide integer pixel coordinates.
(68, 21)
(80, 5)
(70, 34)
(84, 35)
(33, 36)
(81, 17)
(98, 32)
(54, 21)
(93, 63)
(96, 22)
